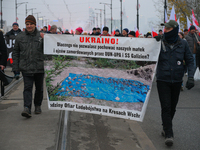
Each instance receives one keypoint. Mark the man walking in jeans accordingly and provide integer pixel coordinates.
(169, 75)
(28, 58)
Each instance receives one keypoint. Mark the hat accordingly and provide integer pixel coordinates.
(31, 19)
(126, 30)
(132, 33)
(185, 30)
(192, 27)
(170, 24)
(79, 29)
(105, 29)
(94, 29)
(117, 30)
(15, 23)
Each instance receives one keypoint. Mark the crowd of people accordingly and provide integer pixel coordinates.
(179, 54)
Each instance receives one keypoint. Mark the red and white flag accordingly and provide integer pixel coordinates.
(173, 14)
(137, 33)
(194, 18)
(49, 27)
(178, 21)
(188, 23)
(166, 17)
(197, 27)
(154, 33)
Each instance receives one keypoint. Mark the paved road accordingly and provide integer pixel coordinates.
(186, 121)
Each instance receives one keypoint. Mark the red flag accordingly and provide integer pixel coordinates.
(113, 33)
(49, 27)
(136, 32)
(154, 33)
(194, 18)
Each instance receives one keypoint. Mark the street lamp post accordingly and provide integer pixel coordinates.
(1, 16)
(137, 14)
(121, 15)
(111, 12)
(104, 14)
(100, 16)
(37, 18)
(17, 5)
(97, 19)
(165, 8)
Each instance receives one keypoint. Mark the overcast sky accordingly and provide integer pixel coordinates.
(54, 9)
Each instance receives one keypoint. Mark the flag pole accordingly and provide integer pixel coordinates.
(165, 8)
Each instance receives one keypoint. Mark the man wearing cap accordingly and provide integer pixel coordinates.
(78, 31)
(125, 32)
(105, 32)
(131, 34)
(94, 30)
(170, 71)
(12, 35)
(28, 57)
(98, 31)
(193, 41)
(117, 33)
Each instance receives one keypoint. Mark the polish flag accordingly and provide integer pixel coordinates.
(166, 17)
(72, 31)
(173, 14)
(49, 27)
(188, 23)
(194, 18)
(178, 21)
(113, 33)
(154, 33)
(137, 33)
(197, 27)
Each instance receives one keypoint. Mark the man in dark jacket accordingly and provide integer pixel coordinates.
(193, 41)
(12, 35)
(28, 57)
(3, 52)
(98, 31)
(169, 75)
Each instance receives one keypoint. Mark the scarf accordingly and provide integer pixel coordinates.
(172, 36)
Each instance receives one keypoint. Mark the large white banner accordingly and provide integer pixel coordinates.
(138, 49)
(87, 87)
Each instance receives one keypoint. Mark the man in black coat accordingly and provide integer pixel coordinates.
(169, 75)
(3, 52)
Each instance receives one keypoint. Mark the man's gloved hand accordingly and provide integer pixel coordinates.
(158, 37)
(190, 83)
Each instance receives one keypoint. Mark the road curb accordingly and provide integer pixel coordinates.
(144, 141)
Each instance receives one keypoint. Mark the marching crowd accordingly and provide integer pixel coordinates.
(179, 54)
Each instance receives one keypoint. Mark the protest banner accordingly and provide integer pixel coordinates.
(93, 83)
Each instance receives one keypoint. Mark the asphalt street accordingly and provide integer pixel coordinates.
(186, 123)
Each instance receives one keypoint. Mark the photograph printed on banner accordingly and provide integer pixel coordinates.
(114, 83)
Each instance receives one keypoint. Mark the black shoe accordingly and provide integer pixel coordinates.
(26, 113)
(163, 133)
(169, 141)
(38, 110)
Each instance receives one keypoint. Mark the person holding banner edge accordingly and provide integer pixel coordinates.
(170, 71)
(28, 57)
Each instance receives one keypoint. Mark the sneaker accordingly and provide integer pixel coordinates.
(26, 112)
(38, 110)
(163, 133)
(169, 141)
(16, 76)
(182, 88)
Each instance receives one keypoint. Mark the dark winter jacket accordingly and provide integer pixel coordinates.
(13, 33)
(28, 56)
(191, 40)
(170, 63)
(3, 51)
